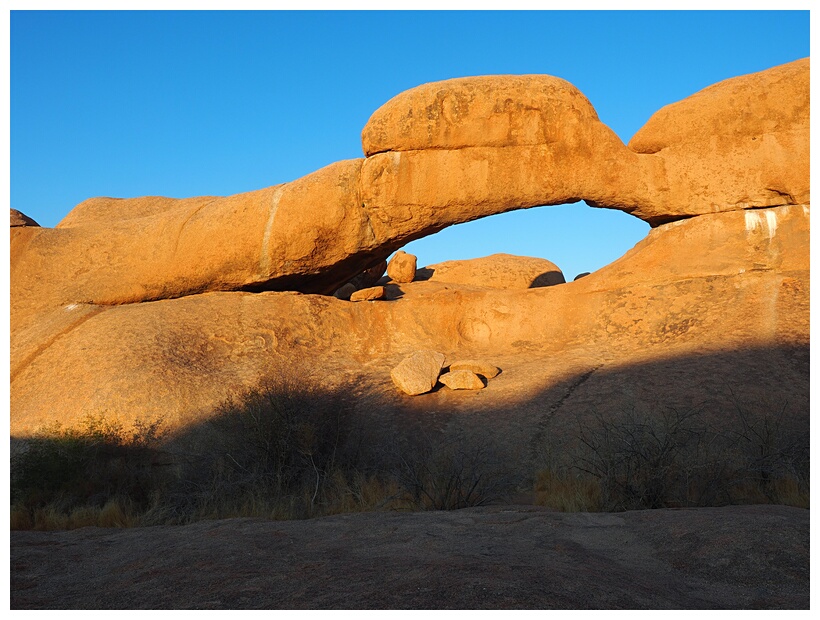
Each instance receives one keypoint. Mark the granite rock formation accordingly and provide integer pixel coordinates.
(155, 307)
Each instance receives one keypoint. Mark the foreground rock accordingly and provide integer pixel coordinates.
(503, 557)
(462, 380)
(488, 371)
(418, 373)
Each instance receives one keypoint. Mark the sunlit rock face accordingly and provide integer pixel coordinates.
(739, 144)
(503, 271)
(154, 307)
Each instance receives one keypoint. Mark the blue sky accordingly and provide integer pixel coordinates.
(215, 103)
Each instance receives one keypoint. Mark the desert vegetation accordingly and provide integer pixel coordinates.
(287, 452)
(671, 458)
(283, 452)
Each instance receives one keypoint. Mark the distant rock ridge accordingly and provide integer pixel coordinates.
(503, 271)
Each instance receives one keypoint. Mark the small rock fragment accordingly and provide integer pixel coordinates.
(418, 372)
(462, 380)
(402, 267)
(368, 294)
(488, 371)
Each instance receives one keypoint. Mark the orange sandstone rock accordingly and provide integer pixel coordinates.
(402, 267)
(368, 294)
(503, 271)
(439, 154)
(484, 111)
(255, 241)
(738, 144)
(418, 373)
(161, 307)
(488, 371)
(469, 147)
(462, 380)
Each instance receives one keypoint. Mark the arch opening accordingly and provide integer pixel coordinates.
(576, 237)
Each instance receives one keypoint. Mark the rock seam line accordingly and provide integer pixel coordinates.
(188, 219)
(553, 409)
(264, 257)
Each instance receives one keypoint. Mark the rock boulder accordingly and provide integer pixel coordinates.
(503, 271)
(739, 144)
(402, 267)
(488, 371)
(462, 380)
(418, 373)
(21, 219)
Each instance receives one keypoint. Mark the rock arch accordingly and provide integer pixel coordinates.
(437, 155)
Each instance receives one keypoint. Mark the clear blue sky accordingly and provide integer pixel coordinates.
(214, 103)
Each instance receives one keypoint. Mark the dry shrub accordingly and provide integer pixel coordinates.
(97, 473)
(678, 458)
(449, 472)
(275, 452)
(286, 451)
(567, 492)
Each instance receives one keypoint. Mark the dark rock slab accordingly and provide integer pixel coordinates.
(500, 557)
